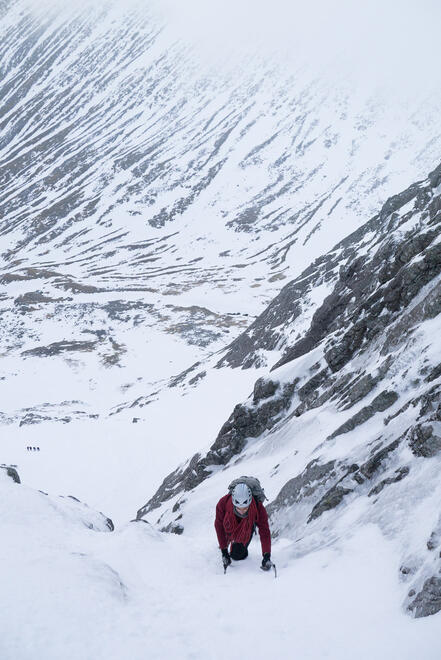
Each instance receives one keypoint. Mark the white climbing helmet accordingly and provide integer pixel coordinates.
(242, 496)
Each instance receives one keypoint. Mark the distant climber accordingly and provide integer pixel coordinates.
(237, 515)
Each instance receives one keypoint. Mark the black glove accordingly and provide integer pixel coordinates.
(266, 562)
(226, 559)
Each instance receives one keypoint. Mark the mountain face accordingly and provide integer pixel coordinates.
(153, 199)
(182, 222)
(351, 412)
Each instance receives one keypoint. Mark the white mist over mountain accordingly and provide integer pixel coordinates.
(387, 43)
(377, 44)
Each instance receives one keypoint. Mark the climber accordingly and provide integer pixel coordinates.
(236, 518)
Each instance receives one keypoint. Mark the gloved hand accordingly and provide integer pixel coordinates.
(226, 559)
(266, 562)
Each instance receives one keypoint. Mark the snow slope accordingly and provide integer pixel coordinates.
(81, 593)
(110, 463)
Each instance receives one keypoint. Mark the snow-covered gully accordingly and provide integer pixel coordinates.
(92, 594)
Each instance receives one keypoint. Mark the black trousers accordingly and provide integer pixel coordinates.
(239, 550)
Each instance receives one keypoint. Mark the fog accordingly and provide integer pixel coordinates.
(392, 46)
(386, 43)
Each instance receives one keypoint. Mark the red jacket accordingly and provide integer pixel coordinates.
(261, 522)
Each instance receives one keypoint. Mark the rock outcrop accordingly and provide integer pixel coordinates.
(11, 473)
(247, 421)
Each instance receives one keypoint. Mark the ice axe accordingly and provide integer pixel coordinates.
(272, 566)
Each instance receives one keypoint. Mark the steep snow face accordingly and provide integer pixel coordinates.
(155, 192)
(70, 590)
(345, 430)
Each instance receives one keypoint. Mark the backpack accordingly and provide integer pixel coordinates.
(253, 484)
